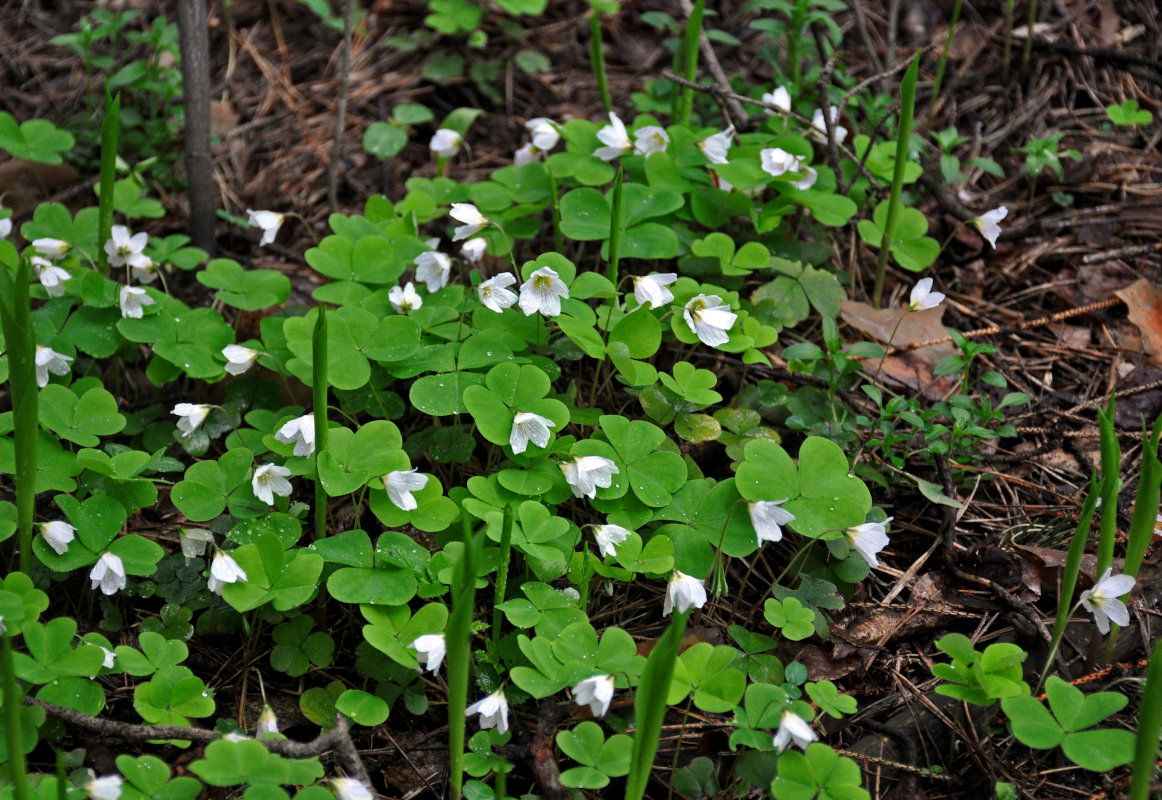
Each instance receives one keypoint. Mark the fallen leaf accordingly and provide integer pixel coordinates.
(901, 329)
(1144, 303)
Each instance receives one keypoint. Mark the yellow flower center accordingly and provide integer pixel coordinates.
(542, 282)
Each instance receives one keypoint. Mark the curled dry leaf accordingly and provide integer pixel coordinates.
(1144, 303)
(912, 368)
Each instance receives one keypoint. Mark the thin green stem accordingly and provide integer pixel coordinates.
(690, 61)
(319, 390)
(944, 55)
(597, 59)
(16, 320)
(13, 703)
(110, 129)
(457, 640)
(1149, 728)
(903, 134)
(502, 576)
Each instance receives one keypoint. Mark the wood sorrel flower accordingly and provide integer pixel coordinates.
(608, 538)
(652, 288)
(818, 130)
(224, 569)
(270, 480)
(683, 592)
(191, 416)
(108, 574)
(133, 300)
(56, 249)
(793, 729)
(239, 358)
(51, 276)
(432, 646)
(351, 789)
(709, 318)
(989, 225)
(267, 722)
(401, 483)
(194, 541)
(869, 539)
(528, 427)
(780, 98)
(472, 221)
(106, 788)
(404, 299)
(446, 142)
(48, 360)
(300, 432)
(923, 298)
(124, 247)
(615, 138)
(650, 139)
(543, 292)
(492, 292)
(433, 268)
(268, 222)
(493, 711)
(768, 517)
(585, 473)
(57, 535)
(1103, 600)
(717, 146)
(596, 692)
(544, 133)
(473, 250)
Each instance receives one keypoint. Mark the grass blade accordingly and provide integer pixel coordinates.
(649, 709)
(110, 131)
(16, 319)
(903, 134)
(319, 390)
(458, 643)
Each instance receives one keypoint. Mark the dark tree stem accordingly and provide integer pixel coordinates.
(195, 46)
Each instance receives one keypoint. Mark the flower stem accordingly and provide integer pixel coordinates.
(16, 321)
(110, 128)
(13, 703)
(319, 390)
(457, 640)
(903, 134)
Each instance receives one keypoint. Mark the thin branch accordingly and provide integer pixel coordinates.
(195, 48)
(337, 739)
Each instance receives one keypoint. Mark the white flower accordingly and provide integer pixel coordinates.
(923, 297)
(268, 221)
(650, 139)
(807, 178)
(544, 133)
(49, 360)
(768, 517)
(818, 130)
(124, 247)
(683, 592)
(570, 592)
(3, 628)
(446, 142)
(775, 161)
(608, 538)
(652, 288)
(473, 250)
(404, 299)
(267, 722)
(433, 268)
(492, 292)
(194, 541)
(5, 227)
(716, 147)
(493, 711)
(107, 788)
(779, 98)
(401, 483)
(300, 432)
(526, 154)
(270, 480)
(110, 658)
(108, 573)
(473, 222)
(51, 276)
(988, 224)
(528, 427)
(57, 535)
(543, 292)
(55, 249)
(709, 318)
(615, 138)
(351, 789)
(597, 692)
(585, 474)
(869, 539)
(239, 358)
(133, 301)
(1103, 600)
(192, 415)
(793, 729)
(144, 270)
(224, 569)
(433, 647)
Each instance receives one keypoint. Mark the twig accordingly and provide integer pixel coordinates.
(737, 113)
(828, 123)
(336, 739)
(341, 111)
(195, 48)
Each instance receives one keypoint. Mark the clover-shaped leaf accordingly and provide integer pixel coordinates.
(249, 290)
(692, 384)
(790, 617)
(82, 420)
(273, 575)
(34, 139)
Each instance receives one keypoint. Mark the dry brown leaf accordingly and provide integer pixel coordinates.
(900, 328)
(1144, 303)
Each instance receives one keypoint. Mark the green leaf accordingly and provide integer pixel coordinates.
(444, 393)
(381, 586)
(81, 420)
(1099, 751)
(1031, 722)
(35, 139)
(362, 708)
(249, 290)
(384, 139)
